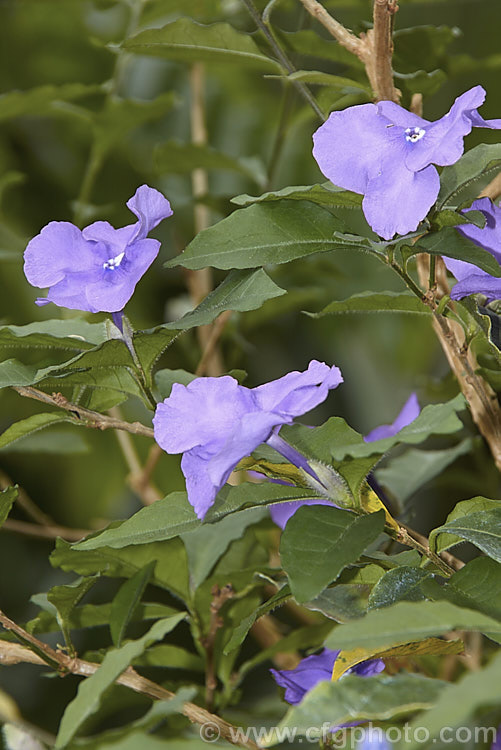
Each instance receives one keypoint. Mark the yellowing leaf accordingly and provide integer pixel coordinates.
(370, 503)
(430, 646)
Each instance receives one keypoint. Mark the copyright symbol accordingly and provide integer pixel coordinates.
(209, 732)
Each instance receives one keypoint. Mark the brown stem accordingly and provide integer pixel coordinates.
(219, 597)
(212, 341)
(336, 29)
(82, 416)
(453, 562)
(12, 653)
(51, 531)
(379, 62)
(405, 538)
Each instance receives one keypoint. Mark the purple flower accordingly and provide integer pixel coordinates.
(409, 412)
(470, 278)
(215, 422)
(96, 269)
(373, 740)
(496, 745)
(386, 153)
(313, 669)
(281, 512)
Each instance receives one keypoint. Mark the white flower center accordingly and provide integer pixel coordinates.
(113, 263)
(414, 134)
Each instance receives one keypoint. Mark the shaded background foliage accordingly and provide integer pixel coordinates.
(82, 151)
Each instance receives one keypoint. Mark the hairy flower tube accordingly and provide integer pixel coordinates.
(387, 154)
(472, 280)
(215, 422)
(313, 669)
(96, 269)
(281, 512)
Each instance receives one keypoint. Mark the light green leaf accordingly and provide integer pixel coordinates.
(376, 302)
(174, 515)
(449, 218)
(398, 584)
(165, 379)
(457, 703)
(353, 698)
(115, 662)
(408, 621)
(43, 100)
(343, 602)
(188, 41)
(151, 344)
(126, 601)
(318, 542)
(241, 291)
(261, 234)
(7, 498)
(326, 194)
(240, 632)
(319, 78)
(452, 244)
(443, 541)
(29, 426)
(421, 82)
(482, 529)
(73, 334)
(169, 656)
(463, 181)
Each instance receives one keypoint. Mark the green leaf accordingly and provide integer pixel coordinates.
(319, 78)
(308, 42)
(422, 82)
(240, 632)
(171, 570)
(174, 515)
(443, 541)
(457, 703)
(165, 379)
(7, 498)
(405, 622)
(261, 234)
(126, 601)
(115, 662)
(241, 291)
(43, 100)
(406, 473)
(463, 181)
(375, 302)
(188, 41)
(343, 602)
(65, 599)
(482, 529)
(318, 542)
(326, 194)
(209, 542)
(450, 243)
(151, 344)
(399, 584)
(353, 698)
(170, 657)
(434, 419)
(174, 157)
(476, 586)
(73, 334)
(30, 425)
(449, 218)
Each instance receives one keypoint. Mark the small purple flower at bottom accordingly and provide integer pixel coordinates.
(96, 269)
(313, 669)
(472, 280)
(373, 741)
(496, 745)
(215, 422)
(387, 154)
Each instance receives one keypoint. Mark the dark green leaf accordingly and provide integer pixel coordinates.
(476, 586)
(443, 540)
(240, 632)
(421, 82)
(241, 290)
(65, 599)
(327, 195)
(73, 334)
(127, 600)
(188, 41)
(343, 602)
(30, 425)
(376, 302)
(7, 498)
(463, 181)
(405, 622)
(318, 542)
(261, 234)
(174, 515)
(165, 379)
(399, 584)
(449, 218)
(151, 344)
(174, 157)
(452, 244)
(115, 662)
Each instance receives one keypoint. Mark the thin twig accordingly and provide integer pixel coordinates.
(82, 416)
(447, 557)
(212, 341)
(11, 653)
(25, 502)
(219, 597)
(379, 62)
(283, 58)
(51, 531)
(345, 38)
(405, 538)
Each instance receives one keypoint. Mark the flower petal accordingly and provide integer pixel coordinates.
(59, 249)
(281, 512)
(298, 392)
(201, 491)
(398, 199)
(308, 673)
(70, 292)
(490, 236)
(349, 146)
(150, 207)
(409, 412)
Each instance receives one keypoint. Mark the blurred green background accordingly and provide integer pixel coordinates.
(71, 151)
